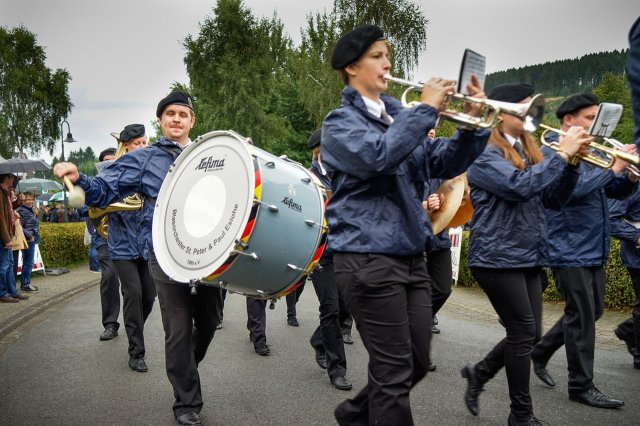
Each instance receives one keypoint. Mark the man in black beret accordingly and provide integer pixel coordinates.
(189, 320)
(578, 245)
(372, 147)
(107, 154)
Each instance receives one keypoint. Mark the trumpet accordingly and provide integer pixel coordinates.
(531, 113)
(600, 155)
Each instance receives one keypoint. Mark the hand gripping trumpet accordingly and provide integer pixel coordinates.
(532, 112)
(600, 155)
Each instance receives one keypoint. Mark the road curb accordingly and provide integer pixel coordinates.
(15, 321)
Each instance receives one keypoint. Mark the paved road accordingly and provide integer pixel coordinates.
(56, 371)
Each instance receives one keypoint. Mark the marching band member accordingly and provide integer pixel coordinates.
(625, 225)
(189, 320)
(327, 340)
(378, 157)
(129, 256)
(578, 249)
(510, 184)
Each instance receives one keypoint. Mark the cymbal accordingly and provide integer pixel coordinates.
(455, 208)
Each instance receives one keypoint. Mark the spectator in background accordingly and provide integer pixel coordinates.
(16, 201)
(8, 292)
(31, 229)
(53, 213)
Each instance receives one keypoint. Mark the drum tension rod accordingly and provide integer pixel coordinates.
(242, 244)
(312, 222)
(252, 255)
(294, 267)
(271, 207)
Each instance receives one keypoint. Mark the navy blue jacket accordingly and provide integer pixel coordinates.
(378, 173)
(142, 171)
(440, 241)
(621, 212)
(126, 240)
(579, 233)
(508, 227)
(30, 223)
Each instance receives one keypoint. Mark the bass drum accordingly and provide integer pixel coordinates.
(232, 215)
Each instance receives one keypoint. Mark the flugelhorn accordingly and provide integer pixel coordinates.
(600, 155)
(532, 112)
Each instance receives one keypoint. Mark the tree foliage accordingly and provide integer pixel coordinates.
(240, 76)
(33, 98)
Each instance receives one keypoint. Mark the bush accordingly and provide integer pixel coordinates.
(618, 290)
(62, 244)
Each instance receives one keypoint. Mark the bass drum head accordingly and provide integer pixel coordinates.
(203, 206)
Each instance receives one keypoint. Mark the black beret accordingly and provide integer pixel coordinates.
(131, 131)
(108, 151)
(510, 92)
(576, 102)
(353, 44)
(314, 140)
(175, 98)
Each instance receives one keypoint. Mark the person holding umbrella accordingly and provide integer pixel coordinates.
(8, 291)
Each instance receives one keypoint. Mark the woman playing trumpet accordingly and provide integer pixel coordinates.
(511, 184)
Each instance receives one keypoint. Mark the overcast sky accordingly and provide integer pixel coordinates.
(123, 55)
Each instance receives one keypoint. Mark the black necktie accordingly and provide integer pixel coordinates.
(518, 147)
(385, 117)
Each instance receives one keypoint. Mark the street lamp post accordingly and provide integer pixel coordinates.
(69, 139)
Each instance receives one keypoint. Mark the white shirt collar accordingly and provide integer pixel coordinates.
(510, 139)
(374, 107)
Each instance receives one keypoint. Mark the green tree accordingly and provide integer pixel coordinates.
(236, 65)
(33, 98)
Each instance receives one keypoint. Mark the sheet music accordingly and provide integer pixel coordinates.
(472, 63)
(606, 120)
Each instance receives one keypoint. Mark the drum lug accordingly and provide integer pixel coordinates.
(242, 244)
(294, 267)
(271, 207)
(312, 222)
(192, 287)
(252, 255)
(270, 164)
(306, 180)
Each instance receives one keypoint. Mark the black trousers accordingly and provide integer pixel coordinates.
(439, 267)
(138, 295)
(189, 323)
(345, 320)
(583, 291)
(109, 289)
(631, 327)
(257, 321)
(327, 336)
(516, 295)
(292, 298)
(390, 300)
(223, 295)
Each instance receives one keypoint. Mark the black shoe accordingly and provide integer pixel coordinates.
(626, 338)
(540, 370)
(263, 350)
(138, 364)
(595, 398)
(432, 367)
(341, 383)
(219, 326)
(435, 320)
(108, 333)
(29, 288)
(189, 419)
(321, 357)
(474, 387)
(346, 338)
(435, 330)
(293, 321)
(531, 421)
(636, 362)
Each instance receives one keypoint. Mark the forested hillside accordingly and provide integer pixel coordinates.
(564, 77)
